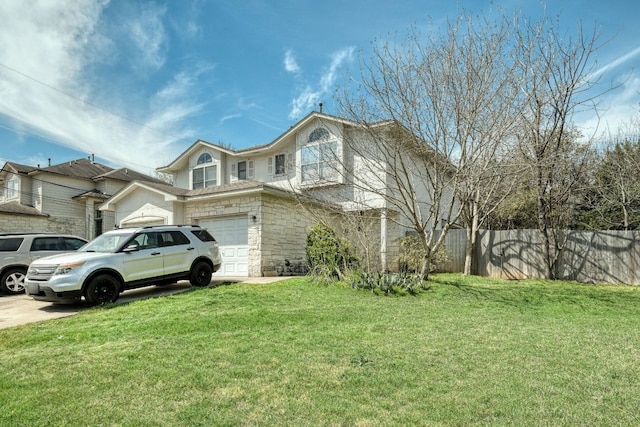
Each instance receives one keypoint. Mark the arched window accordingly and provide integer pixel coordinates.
(204, 158)
(319, 157)
(318, 134)
(205, 173)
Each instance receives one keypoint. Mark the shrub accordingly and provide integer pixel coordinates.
(386, 283)
(327, 254)
(412, 253)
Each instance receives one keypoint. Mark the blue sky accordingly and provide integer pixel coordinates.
(137, 82)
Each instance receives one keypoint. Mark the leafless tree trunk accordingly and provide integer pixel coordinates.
(454, 99)
(556, 78)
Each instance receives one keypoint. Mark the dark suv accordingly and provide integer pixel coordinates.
(18, 250)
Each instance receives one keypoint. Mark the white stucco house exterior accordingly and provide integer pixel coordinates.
(255, 201)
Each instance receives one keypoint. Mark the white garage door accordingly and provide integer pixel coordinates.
(232, 236)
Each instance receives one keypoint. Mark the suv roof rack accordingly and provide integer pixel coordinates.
(19, 233)
(171, 225)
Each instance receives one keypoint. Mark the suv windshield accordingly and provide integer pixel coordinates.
(108, 242)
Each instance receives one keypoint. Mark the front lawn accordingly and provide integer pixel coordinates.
(469, 352)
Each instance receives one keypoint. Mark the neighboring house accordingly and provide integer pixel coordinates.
(250, 199)
(62, 198)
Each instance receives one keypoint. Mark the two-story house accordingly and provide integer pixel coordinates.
(256, 202)
(61, 198)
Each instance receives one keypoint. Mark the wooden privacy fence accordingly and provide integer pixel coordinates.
(588, 256)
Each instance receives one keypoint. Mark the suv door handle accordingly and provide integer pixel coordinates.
(156, 253)
(190, 248)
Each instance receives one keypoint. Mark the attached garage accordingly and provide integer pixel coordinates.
(232, 234)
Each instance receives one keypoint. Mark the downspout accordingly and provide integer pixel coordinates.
(383, 239)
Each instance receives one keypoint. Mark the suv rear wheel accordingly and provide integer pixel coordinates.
(12, 280)
(201, 273)
(102, 289)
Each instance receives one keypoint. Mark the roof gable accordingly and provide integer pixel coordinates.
(17, 168)
(184, 157)
(180, 161)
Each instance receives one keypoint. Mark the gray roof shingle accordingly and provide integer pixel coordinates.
(16, 208)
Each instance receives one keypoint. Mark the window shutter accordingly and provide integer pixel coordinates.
(250, 169)
(291, 162)
(234, 172)
(270, 166)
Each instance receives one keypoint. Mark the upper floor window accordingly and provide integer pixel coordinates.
(205, 173)
(242, 170)
(205, 158)
(318, 157)
(13, 189)
(318, 134)
(280, 164)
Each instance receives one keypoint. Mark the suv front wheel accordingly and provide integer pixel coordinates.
(12, 280)
(102, 289)
(201, 273)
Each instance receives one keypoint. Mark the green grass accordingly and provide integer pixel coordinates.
(469, 352)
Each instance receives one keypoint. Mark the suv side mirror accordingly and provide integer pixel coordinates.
(131, 248)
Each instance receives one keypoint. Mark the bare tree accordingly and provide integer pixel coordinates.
(613, 200)
(556, 79)
(452, 101)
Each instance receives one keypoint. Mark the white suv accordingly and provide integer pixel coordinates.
(124, 259)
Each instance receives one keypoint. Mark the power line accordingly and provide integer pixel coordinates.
(63, 144)
(69, 146)
(77, 98)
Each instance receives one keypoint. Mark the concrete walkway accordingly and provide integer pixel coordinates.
(21, 309)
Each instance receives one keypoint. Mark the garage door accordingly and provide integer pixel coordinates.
(232, 236)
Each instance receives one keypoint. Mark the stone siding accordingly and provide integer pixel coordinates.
(11, 223)
(27, 223)
(285, 226)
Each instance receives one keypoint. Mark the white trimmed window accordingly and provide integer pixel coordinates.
(279, 164)
(242, 170)
(205, 173)
(13, 188)
(318, 157)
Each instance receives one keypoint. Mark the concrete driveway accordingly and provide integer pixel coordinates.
(20, 309)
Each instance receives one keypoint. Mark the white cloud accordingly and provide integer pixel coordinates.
(616, 110)
(309, 97)
(50, 78)
(229, 117)
(337, 59)
(290, 63)
(304, 102)
(148, 34)
(41, 41)
(615, 63)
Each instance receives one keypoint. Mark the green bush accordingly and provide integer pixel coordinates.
(411, 255)
(328, 255)
(331, 259)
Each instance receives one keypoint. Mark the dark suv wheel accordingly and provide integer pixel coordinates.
(201, 273)
(102, 289)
